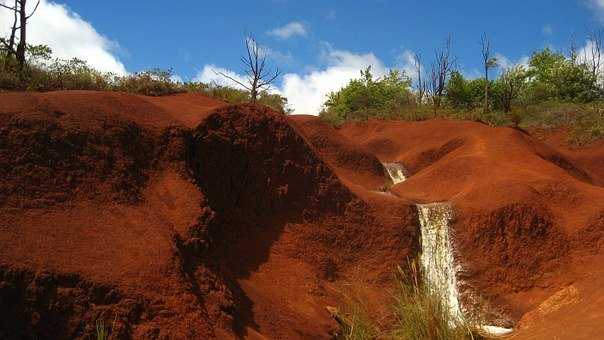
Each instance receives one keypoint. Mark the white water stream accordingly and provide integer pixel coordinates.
(438, 262)
(396, 172)
(437, 257)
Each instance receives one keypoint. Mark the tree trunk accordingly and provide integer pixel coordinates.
(23, 35)
(486, 89)
(254, 91)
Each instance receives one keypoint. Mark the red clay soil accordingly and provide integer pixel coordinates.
(219, 223)
(184, 217)
(529, 214)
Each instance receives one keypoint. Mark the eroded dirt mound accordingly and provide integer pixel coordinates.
(59, 145)
(527, 212)
(44, 162)
(250, 159)
(350, 161)
(154, 229)
(184, 217)
(282, 213)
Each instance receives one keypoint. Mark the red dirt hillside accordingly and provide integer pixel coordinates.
(529, 214)
(184, 217)
(177, 217)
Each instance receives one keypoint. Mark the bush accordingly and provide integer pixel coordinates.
(366, 97)
(46, 74)
(555, 77)
(155, 82)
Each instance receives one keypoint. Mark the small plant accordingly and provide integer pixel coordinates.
(360, 316)
(420, 311)
(417, 312)
(102, 332)
(355, 323)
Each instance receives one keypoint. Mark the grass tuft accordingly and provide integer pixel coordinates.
(417, 312)
(420, 312)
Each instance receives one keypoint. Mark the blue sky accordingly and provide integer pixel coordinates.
(328, 40)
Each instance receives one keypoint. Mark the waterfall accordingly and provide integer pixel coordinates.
(436, 257)
(396, 172)
(438, 262)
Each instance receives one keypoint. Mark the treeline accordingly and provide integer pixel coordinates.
(550, 89)
(43, 72)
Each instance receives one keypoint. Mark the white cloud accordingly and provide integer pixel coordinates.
(505, 63)
(598, 7)
(209, 75)
(406, 63)
(269, 53)
(68, 35)
(588, 54)
(294, 28)
(280, 57)
(307, 92)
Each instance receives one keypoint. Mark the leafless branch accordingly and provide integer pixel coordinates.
(421, 84)
(596, 37)
(258, 76)
(439, 73)
(34, 11)
(488, 63)
(231, 78)
(7, 7)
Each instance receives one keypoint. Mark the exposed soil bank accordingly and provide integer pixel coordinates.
(129, 215)
(184, 217)
(528, 210)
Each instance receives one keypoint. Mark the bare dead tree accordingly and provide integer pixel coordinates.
(488, 62)
(421, 83)
(23, 17)
(258, 76)
(19, 11)
(511, 80)
(572, 49)
(9, 44)
(439, 73)
(595, 52)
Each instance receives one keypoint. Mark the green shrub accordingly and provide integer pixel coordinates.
(43, 73)
(154, 82)
(588, 125)
(366, 97)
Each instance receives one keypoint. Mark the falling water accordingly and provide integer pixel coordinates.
(436, 257)
(438, 262)
(396, 172)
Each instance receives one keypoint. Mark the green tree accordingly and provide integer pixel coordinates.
(464, 93)
(553, 76)
(366, 96)
(508, 86)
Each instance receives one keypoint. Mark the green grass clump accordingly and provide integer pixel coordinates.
(356, 325)
(417, 312)
(102, 332)
(420, 312)
(354, 316)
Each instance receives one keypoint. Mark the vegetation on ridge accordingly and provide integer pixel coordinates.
(550, 90)
(42, 72)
